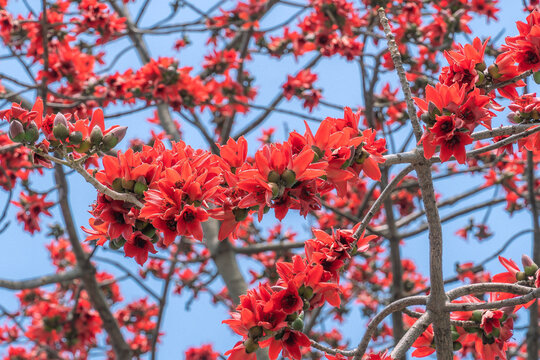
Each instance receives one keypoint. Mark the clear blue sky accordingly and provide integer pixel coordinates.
(24, 256)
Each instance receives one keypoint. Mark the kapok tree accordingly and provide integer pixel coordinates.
(437, 103)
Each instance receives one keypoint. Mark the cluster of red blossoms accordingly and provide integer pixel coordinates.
(463, 99)
(272, 316)
(180, 188)
(32, 205)
(81, 138)
(489, 338)
(63, 321)
(301, 86)
(329, 29)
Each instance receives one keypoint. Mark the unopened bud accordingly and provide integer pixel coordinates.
(117, 185)
(116, 244)
(32, 133)
(128, 184)
(298, 324)
(60, 127)
(114, 137)
(481, 78)
(308, 293)
(526, 260)
(255, 332)
(140, 188)
(16, 131)
(433, 110)
(514, 117)
(493, 70)
(275, 190)
(76, 138)
(60, 119)
(520, 276)
(84, 147)
(149, 231)
(96, 135)
(250, 345)
(476, 316)
(289, 177)
(240, 214)
(273, 176)
(480, 66)
(119, 133)
(536, 77)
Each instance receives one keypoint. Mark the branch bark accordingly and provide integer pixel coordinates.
(40, 281)
(533, 332)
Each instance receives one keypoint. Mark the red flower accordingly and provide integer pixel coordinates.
(525, 48)
(189, 221)
(138, 247)
(290, 343)
(286, 300)
(31, 207)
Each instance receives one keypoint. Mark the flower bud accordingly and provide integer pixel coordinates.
(275, 190)
(240, 214)
(119, 133)
(84, 147)
(129, 185)
(457, 346)
(514, 117)
(117, 185)
(250, 345)
(308, 293)
(433, 110)
(480, 66)
(60, 127)
(16, 131)
(76, 138)
(536, 77)
(114, 137)
(149, 231)
(96, 135)
(255, 332)
(32, 133)
(273, 176)
(289, 177)
(116, 244)
(493, 70)
(455, 335)
(520, 276)
(298, 324)
(481, 78)
(140, 188)
(476, 316)
(526, 260)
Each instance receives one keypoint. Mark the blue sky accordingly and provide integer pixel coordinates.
(24, 256)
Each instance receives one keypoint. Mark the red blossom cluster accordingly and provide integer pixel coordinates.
(181, 187)
(15, 162)
(329, 29)
(489, 338)
(273, 316)
(463, 99)
(301, 86)
(32, 206)
(62, 320)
